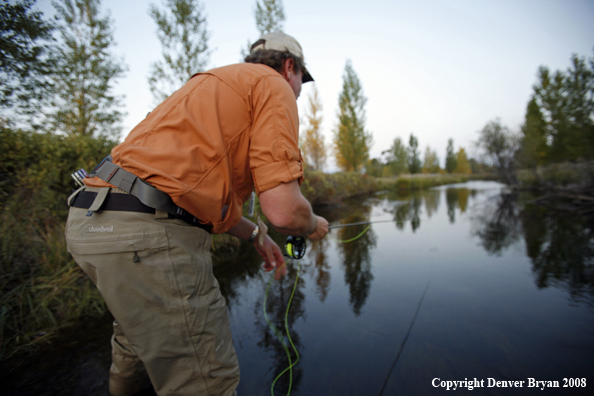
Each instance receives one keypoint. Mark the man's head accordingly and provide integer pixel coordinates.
(284, 54)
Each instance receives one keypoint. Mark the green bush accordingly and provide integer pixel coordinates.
(41, 287)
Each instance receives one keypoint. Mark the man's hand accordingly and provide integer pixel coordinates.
(272, 255)
(321, 229)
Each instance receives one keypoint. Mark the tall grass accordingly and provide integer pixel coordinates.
(37, 301)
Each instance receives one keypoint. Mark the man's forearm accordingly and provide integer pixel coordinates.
(287, 210)
(243, 229)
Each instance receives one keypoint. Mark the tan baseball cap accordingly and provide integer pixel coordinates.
(279, 41)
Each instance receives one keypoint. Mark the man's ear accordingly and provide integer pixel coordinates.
(288, 68)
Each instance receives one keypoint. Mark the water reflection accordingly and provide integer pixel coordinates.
(559, 245)
(355, 257)
(497, 223)
(560, 249)
(317, 255)
(408, 209)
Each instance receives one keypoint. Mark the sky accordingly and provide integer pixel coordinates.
(439, 69)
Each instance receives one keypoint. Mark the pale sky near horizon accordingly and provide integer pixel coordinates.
(437, 68)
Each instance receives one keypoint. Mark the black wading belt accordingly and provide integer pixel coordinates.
(147, 194)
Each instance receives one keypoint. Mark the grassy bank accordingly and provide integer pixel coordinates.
(575, 176)
(424, 181)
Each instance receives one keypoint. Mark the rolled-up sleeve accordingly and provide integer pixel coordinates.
(274, 153)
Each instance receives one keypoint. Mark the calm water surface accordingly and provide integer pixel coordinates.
(464, 281)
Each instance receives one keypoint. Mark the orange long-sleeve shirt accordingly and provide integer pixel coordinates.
(209, 144)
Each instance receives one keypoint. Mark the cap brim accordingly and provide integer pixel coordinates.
(306, 76)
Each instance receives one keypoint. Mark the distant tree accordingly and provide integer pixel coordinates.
(566, 103)
(313, 147)
(351, 140)
(86, 72)
(533, 145)
(182, 31)
(374, 167)
(450, 161)
(270, 17)
(430, 161)
(24, 61)
(463, 163)
(475, 167)
(499, 146)
(414, 161)
(397, 157)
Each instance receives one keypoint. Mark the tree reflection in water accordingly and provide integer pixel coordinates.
(561, 249)
(316, 256)
(355, 257)
(497, 223)
(560, 245)
(409, 210)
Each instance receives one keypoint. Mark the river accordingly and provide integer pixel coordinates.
(470, 285)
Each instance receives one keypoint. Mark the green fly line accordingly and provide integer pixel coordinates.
(277, 332)
(355, 238)
(279, 335)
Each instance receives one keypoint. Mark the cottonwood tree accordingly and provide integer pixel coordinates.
(414, 162)
(25, 44)
(463, 166)
(182, 31)
(313, 146)
(397, 157)
(430, 161)
(498, 147)
(84, 104)
(351, 140)
(270, 17)
(450, 160)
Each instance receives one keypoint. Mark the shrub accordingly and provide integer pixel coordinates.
(41, 287)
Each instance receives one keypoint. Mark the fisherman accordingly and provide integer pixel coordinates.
(141, 226)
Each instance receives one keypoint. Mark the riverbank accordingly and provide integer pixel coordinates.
(565, 186)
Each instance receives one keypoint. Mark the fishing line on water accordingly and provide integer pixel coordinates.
(412, 323)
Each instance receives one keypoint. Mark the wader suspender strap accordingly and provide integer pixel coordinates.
(132, 184)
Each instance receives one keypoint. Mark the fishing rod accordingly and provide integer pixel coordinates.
(295, 245)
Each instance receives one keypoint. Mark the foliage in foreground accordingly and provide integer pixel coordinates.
(42, 289)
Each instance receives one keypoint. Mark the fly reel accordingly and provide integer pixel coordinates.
(295, 247)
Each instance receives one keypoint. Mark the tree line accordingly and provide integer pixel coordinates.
(558, 125)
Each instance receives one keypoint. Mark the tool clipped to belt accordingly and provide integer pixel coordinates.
(151, 199)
